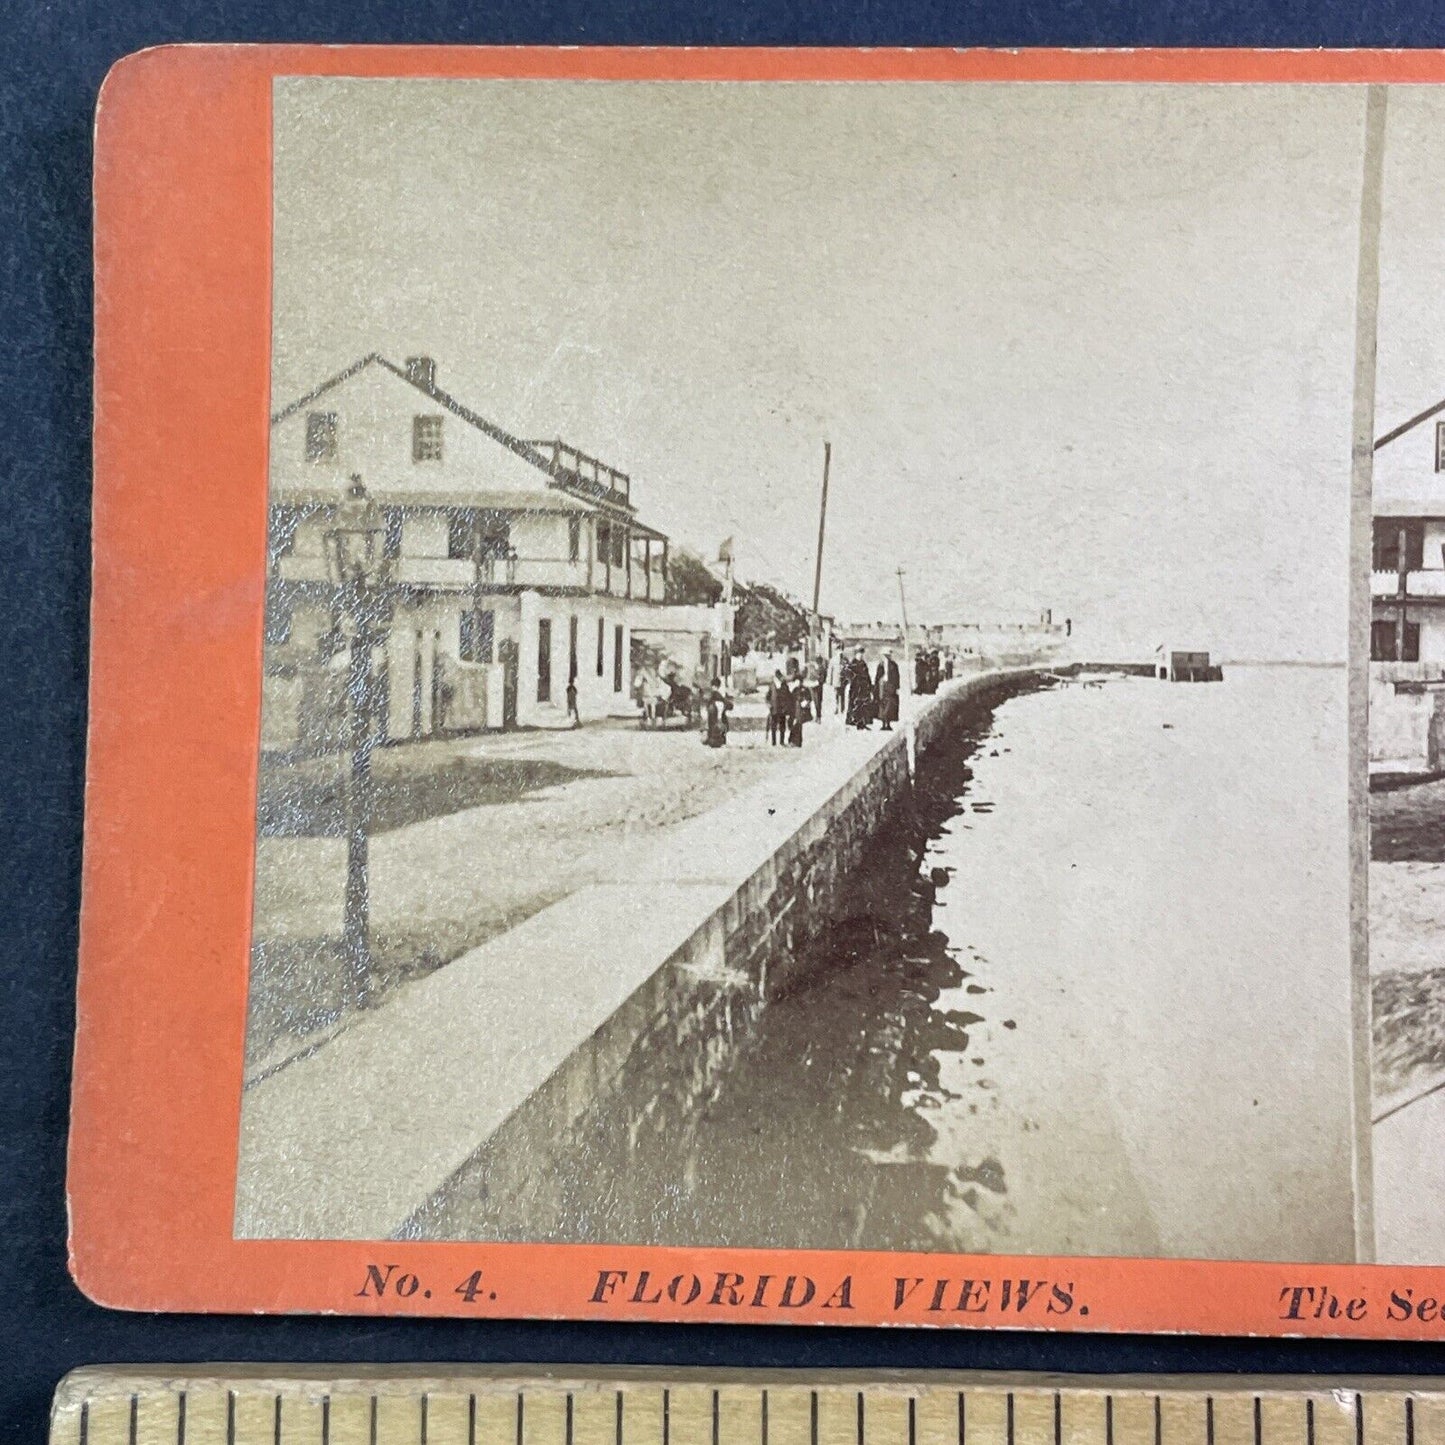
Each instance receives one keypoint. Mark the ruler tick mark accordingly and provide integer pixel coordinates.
(619, 1419)
(813, 1418)
(373, 1419)
(569, 1419)
(1359, 1419)
(764, 1418)
(1258, 1422)
(230, 1417)
(326, 1419)
(521, 1403)
(963, 1419)
(181, 1419)
(85, 1422)
(1010, 1417)
(666, 1418)
(860, 1418)
(134, 1417)
(1409, 1420)
(424, 1412)
(912, 1421)
(1209, 1419)
(714, 1419)
(276, 1426)
(1158, 1421)
(1059, 1420)
(1309, 1422)
(472, 1419)
(1108, 1420)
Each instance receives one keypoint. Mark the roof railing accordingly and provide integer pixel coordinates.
(586, 468)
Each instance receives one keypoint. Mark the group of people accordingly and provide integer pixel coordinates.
(929, 670)
(866, 697)
(793, 699)
(795, 694)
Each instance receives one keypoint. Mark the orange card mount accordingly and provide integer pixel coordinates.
(768, 685)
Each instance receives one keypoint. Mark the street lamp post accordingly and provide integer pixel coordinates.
(357, 564)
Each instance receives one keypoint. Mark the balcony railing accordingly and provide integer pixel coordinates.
(303, 568)
(443, 572)
(459, 574)
(1421, 582)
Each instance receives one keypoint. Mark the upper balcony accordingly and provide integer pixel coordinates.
(504, 573)
(443, 573)
(1422, 582)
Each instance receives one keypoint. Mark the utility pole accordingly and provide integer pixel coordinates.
(822, 525)
(907, 650)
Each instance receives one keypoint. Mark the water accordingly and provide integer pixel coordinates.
(1091, 995)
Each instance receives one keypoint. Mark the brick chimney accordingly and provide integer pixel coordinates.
(421, 371)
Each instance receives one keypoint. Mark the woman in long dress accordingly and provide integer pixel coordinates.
(715, 719)
(860, 693)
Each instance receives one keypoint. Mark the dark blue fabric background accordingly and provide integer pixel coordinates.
(53, 56)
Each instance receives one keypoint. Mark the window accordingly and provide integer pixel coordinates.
(574, 537)
(479, 630)
(426, 438)
(1440, 446)
(619, 545)
(544, 659)
(321, 436)
(1385, 542)
(601, 647)
(604, 541)
(1385, 639)
(461, 533)
(617, 659)
(281, 533)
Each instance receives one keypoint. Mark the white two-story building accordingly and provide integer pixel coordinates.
(1407, 588)
(513, 567)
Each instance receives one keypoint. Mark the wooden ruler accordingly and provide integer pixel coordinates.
(449, 1405)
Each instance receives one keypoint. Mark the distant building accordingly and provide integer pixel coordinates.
(1407, 587)
(976, 644)
(514, 566)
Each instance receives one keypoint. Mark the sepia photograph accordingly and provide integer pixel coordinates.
(853, 666)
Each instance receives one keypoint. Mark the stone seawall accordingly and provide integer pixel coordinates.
(653, 1066)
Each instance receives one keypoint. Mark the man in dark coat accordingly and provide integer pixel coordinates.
(860, 693)
(777, 708)
(887, 684)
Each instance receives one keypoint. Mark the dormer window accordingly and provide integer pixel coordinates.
(1440, 446)
(321, 436)
(426, 438)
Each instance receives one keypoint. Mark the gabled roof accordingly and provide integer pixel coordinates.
(1410, 425)
(558, 477)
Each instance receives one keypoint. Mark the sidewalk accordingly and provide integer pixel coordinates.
(426, 1078)
(499, 828)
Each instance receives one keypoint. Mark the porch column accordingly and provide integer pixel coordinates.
(1401, 580)
(647, 565)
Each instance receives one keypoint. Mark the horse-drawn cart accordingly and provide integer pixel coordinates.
(665, 703)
